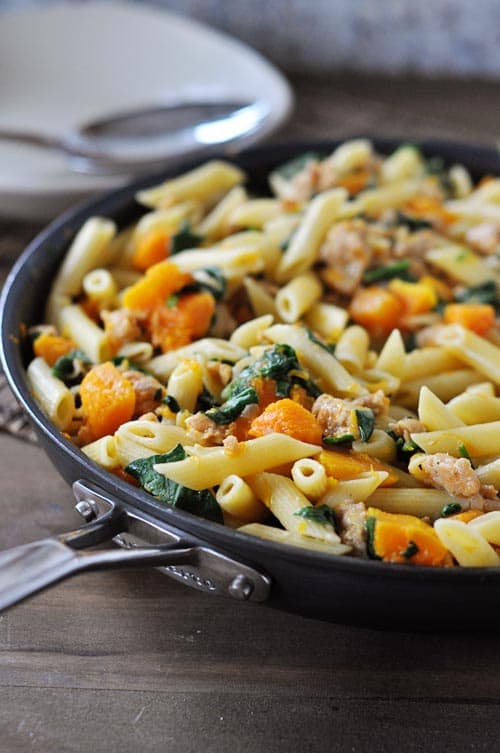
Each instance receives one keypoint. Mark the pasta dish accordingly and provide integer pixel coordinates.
(318, 367)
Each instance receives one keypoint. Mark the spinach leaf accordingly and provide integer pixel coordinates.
(413, 223)
(436, 166)
(275, 363)
(410, 550)
(329, 347)
(310, 387)
(339, 439)
(131, 365)
(319, 514)
(201, 503)
(232, 408)
(184, 238)
(452, 508)
(404, 449)
(67, 370)
(205, 400)
(388, 271)
(366, 423)
(463, 451)
(171, 403)
(279, 363)
(294, 166)
(212, 280)
(486, 292)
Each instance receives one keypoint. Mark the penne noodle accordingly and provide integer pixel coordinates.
(278, 535)
(287, 503)
(434, 413)
(236, 498)
(91, 339)
(305, 243)
(295, 298)
(334, 377)
(252, 456)
(479, 439)
(205, 184)
(52, 395)
(472, 350)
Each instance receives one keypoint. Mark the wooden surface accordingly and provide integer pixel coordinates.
(131, 661)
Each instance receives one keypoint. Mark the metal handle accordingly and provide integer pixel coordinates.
(27, 569)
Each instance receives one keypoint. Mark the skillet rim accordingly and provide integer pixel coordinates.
(122, 199)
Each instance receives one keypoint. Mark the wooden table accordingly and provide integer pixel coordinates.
(131, 661)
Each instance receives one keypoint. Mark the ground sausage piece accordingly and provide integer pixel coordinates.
(304, 184)
(148, 391)
(122, 326)
(351, 519)
(376, 401)
(203, 430)
(484, 237)
(415, 244)
(347, 254)
(405, 427)
(333, 414)
(455, 476)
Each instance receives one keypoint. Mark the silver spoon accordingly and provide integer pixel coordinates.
(137, 140)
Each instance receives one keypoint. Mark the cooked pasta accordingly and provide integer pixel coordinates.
(319, 367)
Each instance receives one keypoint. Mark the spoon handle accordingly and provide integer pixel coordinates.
(33, 139)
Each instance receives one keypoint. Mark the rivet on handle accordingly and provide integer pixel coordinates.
(241, 588)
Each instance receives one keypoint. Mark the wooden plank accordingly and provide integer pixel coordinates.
(125, 722)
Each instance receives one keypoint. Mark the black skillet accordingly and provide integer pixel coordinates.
(205, 555)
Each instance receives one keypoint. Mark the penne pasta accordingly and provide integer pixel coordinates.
(237, 498)
(52, 395)
(75, 324)
(304, 246)
(280, 536)
(205, 184)
(334, 377)
(253, 456)
(286, 503)
(472, 350)
(297, 297)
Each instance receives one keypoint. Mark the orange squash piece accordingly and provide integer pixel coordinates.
(178, 325)
(51, 347)
(160, 282)
(197, 310)
(403, 538)
(265, 388)
(348, 465)
(478, 317)
(377, 309)
(466, 516)
(287, 417)
(108, 399)
(429, 208)
(355, 182)
(415, 297)
(152, 248)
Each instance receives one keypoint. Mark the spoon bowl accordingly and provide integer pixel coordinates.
(135, 141)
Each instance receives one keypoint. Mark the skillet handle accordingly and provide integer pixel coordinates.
(27, 569)
(30, 568)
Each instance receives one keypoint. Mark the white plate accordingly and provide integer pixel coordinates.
(66, 64)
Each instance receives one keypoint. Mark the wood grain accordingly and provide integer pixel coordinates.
(130, 661)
